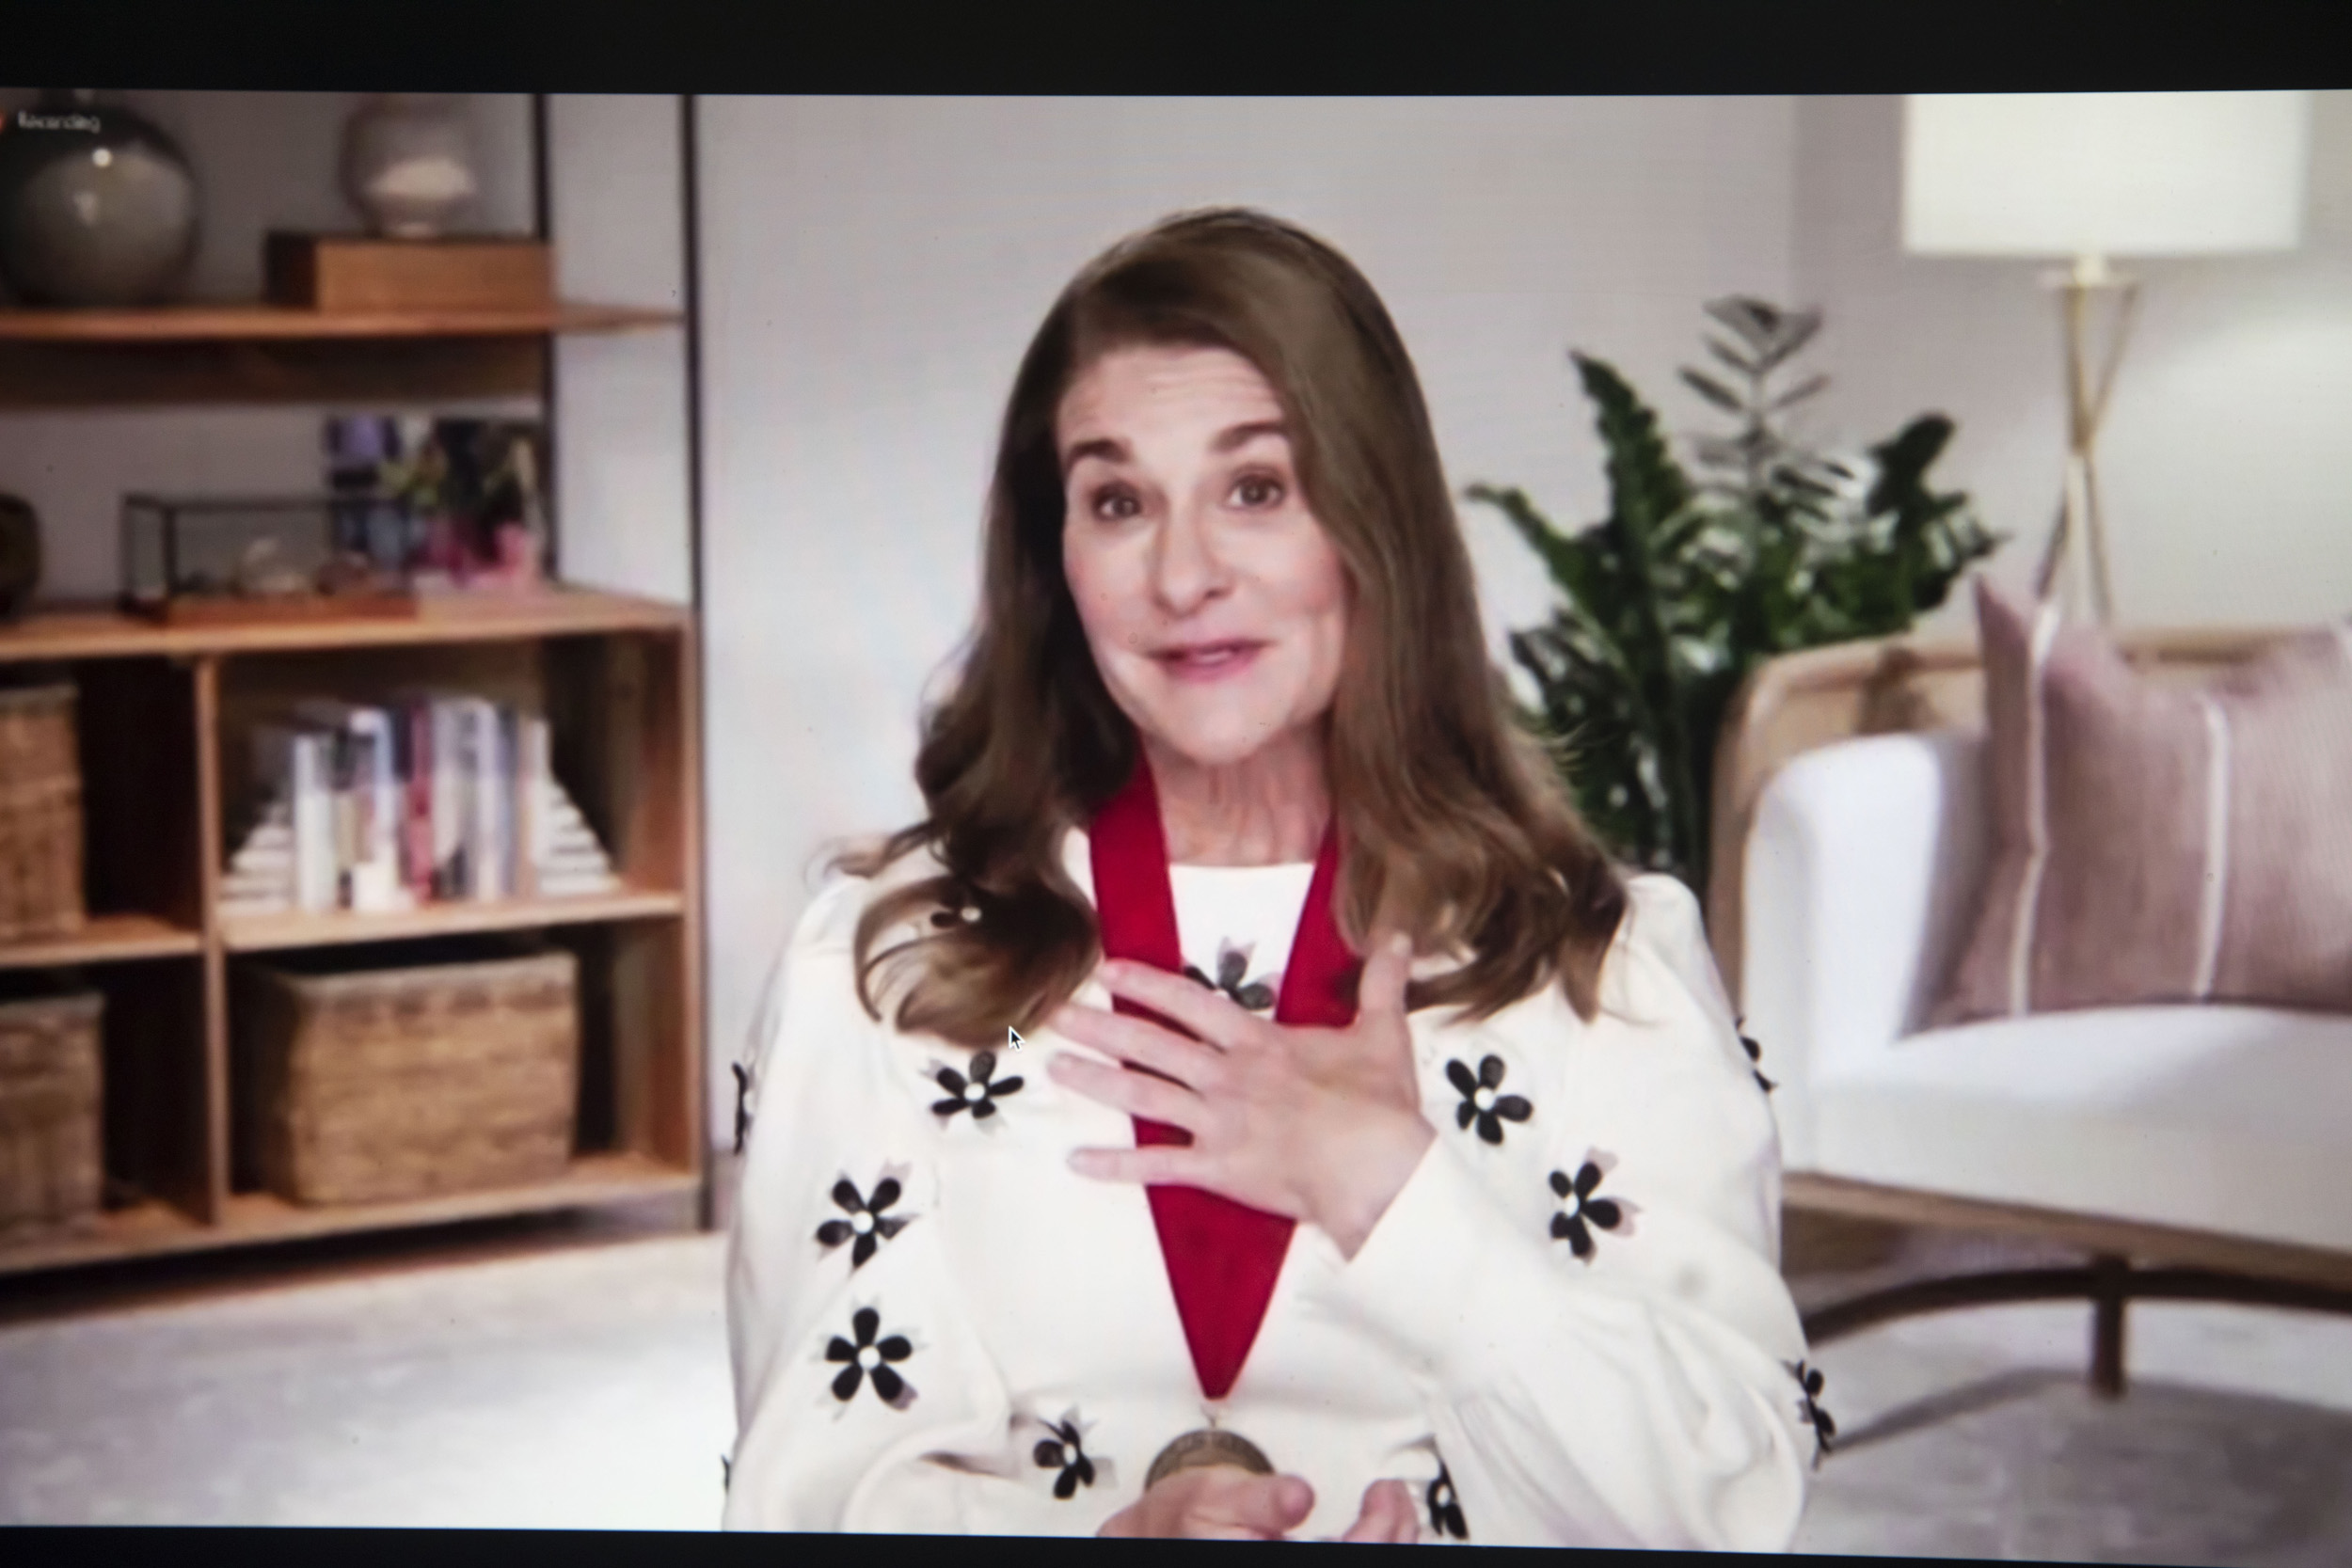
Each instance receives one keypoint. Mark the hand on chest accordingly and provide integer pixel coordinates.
(1076, 1265)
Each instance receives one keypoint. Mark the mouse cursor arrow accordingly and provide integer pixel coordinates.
(1013, 1036)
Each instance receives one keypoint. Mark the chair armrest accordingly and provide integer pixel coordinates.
(1863, 876)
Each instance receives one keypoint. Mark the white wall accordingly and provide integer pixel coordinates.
(2224, 461)
(615, 172)
(872, 269)
(263, 160)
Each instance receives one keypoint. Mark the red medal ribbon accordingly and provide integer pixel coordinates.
(1223, 1256)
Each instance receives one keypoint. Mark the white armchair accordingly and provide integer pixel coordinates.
(2190, 1151)
(1863, 870)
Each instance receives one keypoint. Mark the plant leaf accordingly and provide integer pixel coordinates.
(1568, 560)
(1804, 389)
(1792, 332)
(1752, 320)
(1732, 357)
(1714, 391)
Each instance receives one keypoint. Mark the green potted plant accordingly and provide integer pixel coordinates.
(1668, 603)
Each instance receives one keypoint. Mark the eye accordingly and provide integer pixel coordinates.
(1259, 491)
(1114, 503)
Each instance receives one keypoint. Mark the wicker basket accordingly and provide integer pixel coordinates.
(375, 1084)
(50, 1168)
(40, 815)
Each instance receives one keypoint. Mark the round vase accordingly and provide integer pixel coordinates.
(408, 164)
(98, 207)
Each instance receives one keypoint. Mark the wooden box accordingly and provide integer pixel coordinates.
(352, 273)
(384, 1078)
(40, 815)
(51, 1064)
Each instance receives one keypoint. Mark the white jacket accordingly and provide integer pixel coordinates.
(1539, 1379)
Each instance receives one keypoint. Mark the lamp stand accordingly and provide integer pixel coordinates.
(2079, 529)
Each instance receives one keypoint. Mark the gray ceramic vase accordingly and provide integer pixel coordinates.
(96, 206)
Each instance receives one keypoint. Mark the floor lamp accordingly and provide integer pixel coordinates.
(2085, 178)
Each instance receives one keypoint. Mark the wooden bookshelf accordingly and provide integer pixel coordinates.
(152, 1228)
(98, 631)
(54, 358)
(165, 716)
(184, 323)
(106, 939)
(275, 932)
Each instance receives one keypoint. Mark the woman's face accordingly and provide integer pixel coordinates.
(1213, 602)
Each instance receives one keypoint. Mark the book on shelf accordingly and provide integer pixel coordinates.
(367, 804)
(295, 757)
(434, 797)
(449, 804)
(490, 784)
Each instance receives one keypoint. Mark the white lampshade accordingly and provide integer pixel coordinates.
(2099, 174)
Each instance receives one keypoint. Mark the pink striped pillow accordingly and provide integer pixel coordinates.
(2159, 843)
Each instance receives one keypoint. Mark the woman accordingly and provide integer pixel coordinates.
(1093, 1183)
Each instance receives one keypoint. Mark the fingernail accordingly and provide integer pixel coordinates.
(1402, 944)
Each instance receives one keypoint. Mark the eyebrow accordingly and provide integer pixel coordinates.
(1111, 450)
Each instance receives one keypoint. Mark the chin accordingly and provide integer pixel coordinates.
(1220, 742)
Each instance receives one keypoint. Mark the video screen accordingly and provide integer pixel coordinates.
(1599, 821)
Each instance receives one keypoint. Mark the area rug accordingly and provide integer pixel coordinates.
(588, 1387)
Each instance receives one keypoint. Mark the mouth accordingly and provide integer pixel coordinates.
(1206, 661)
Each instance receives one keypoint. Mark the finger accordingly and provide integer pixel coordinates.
(1212, 1015)
(1132, 1092)
(1138, 1041)
(1389, 968)
(1404, 1523)
(1369, 1527)
(1154, 1164)
(1377, 1519)
(1383, 1524)
(1272, 1505)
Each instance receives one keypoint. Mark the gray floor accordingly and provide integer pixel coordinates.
(587, 1385)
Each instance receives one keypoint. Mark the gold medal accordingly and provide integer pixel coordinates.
(1206, 1447)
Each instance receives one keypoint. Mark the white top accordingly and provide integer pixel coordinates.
(1568, 1329)
(1236, 923)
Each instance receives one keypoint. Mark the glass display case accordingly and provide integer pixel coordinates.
(214, 558)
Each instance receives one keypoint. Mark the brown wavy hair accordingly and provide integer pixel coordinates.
(1454, 824)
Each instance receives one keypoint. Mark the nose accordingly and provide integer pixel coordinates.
(1187, 571)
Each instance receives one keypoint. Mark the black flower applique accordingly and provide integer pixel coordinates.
(1233, 962)
(1581, 1208)
(742, 1104)
(1481, 1104)
(867, 1225)
(977, 1094)
(1756, 1058)
(1066, 1452)
(869, 1357)
(1445, 1509)
(1810, 1411)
